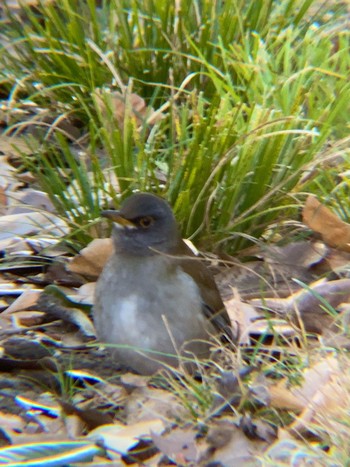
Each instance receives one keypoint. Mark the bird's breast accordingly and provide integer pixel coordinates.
(135, 299)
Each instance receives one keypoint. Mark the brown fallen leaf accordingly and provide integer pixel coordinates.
(286, 449)
(93, 418)
(307, 398)
(314, 305)
(29, 200)
(24, 348)
(23, 302)
(17, 5)
(301, 254)
(3, 201)
(179, 445)
(74, 425)
(147, 403)
(283, 398)
(126, 105)
(30, 223)
(27, 318)
(58, 307)
(131, 381)
(335, 260)
(85, 293)
(228, 445)
(310, 307)
(120, 438)
(92, 259)
(322, 220)
(256, 429)
(272, 327)
(325, 395)
(14, 145)
(270, 277)
(11, 423)
(242, 316)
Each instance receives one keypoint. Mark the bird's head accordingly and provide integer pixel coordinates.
(144, 224)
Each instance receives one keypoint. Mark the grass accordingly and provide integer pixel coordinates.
(245, 112)
(250, 97)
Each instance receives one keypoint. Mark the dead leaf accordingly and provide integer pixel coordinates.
(179, 445)
(261, 278)
(315, 378)
(17, 4)
(286, 449)
(74, 425)
(322, 220)
(258, 429)
(30, 245)
(8, 181)
(147, 403)
(25, 348)
(13, 145)
(325, 396)
(272, 327)
(10, 422)
(15, 246)
(132, 381)
(29, 200)
(91, 417)
(120, 438)
(31, 223)
(242, 316)
(283, 398)
(24, 301)
(85, 293)
(92, 259)
(3, 201)
(308, 305)
(27, 318)
(228, 445)
(302, 254)
(229, 389)
(56, 304)
(338, 261)
(320, 397)
(126, 105)
(258, 393)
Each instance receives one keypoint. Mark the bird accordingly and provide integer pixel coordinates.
(156, 304)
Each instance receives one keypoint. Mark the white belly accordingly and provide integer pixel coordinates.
(157, 309)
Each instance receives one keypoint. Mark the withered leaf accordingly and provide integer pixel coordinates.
(312, 305)
(126, 105)
(322, 220)
(92, 259)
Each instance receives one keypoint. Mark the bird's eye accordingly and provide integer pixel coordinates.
(146, 221)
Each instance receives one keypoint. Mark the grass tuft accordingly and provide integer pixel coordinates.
(247, 96)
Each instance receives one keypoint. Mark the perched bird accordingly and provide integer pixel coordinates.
(155, 300)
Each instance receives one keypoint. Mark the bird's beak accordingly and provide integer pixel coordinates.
(118, 219)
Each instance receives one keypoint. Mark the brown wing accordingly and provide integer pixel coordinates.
(213, 305)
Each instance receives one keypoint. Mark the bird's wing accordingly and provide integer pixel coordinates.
(213, 306)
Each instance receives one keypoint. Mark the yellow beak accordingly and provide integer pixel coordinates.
(118, 219)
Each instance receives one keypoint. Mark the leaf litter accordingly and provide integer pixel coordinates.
(252, 404)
